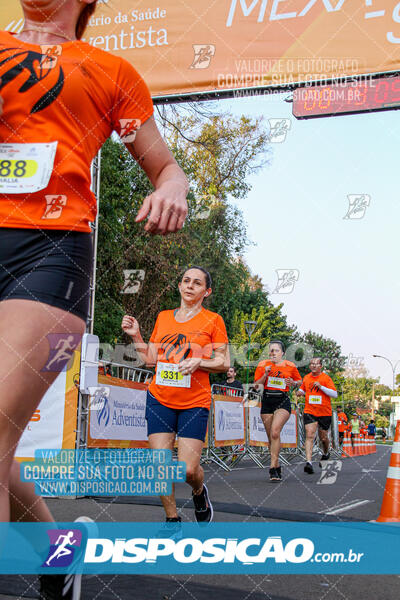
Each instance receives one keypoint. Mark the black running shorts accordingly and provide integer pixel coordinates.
(47, 266)
(323, 422)
(272, 401)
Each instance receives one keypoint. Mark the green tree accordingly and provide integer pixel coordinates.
(381, 421)
(327, 349)
(218, 159)
(271, 324)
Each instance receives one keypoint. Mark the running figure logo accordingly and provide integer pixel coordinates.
(133, 281)
(129, 128)
(330, 471)
(358, 204)
(63, 543)
(203, 54)
(286, 280)
(50, 56)
(54, 206)
(62, 347)
(278, 129)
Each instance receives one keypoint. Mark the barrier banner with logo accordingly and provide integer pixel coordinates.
(228, 420)
(53, 424)
(117, 414)
(258, 435)
(187, 47)
(220, 548)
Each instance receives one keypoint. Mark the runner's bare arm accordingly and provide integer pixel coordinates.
(220, 363)
(147, 352)
(166, 207)
(263, 378)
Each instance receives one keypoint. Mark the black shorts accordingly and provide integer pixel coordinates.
(271, 402)
(52, 267)
(323, 422)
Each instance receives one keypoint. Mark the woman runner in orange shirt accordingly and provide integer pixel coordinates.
(181, 348)
(60, 100)
(276, 376)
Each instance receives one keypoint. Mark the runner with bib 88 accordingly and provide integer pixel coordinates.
(60, 100)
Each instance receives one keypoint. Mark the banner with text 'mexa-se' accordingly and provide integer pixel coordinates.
(188, 47)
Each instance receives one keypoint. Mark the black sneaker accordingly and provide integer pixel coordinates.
(171, 529)
(308, 468)
(274, 475)
(60, 587)
(278, 472)
(324, 457)
(203, 509)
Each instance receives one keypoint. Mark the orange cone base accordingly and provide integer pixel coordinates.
(390, 510)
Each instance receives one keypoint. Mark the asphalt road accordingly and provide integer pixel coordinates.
(243, 495)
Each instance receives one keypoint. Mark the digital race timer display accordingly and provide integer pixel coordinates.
(350, 97)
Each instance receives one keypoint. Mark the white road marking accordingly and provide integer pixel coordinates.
(370, 470)
(335, 510)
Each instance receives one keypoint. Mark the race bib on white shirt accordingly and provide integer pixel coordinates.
(278, 383)
(168, 374)
(26, 168)
(315, 399)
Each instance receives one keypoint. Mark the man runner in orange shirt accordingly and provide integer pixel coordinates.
(318, 389)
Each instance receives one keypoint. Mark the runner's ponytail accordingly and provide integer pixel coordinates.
(84, 19)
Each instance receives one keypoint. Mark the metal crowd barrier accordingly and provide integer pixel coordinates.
(129, 373)
(229, 454)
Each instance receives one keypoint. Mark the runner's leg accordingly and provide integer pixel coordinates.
(279, 419)
(24, 351)
(165, 441)
(189, 451)
(324, 439)
(267, 420)
(311, 429)
(25, 505)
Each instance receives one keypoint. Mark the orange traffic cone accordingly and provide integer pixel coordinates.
(371, 444)
(347, 448)
(356, 445)
(390, 509)
(363, 445)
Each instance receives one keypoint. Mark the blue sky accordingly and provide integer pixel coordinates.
(348, 286)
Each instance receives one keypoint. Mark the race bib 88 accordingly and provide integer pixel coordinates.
(26, 168)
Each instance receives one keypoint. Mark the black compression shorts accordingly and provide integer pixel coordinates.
(47, 266)
(272, 401)
(323, 422)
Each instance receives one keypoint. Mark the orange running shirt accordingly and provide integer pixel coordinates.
(282, 371)
(317, 402)
(178, 341)
(77, 98)
(342, 421)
